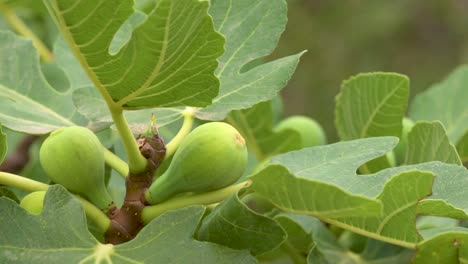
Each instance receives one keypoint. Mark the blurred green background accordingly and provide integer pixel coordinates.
(423, 39)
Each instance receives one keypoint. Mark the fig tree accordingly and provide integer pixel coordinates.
(211, 157)
(74, 158)
(33, 202)
(310, 131)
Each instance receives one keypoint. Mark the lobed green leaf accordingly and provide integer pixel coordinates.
(169, 239)
(29, 103)
(168, 61)
(300, 230)
(447, 192)
(60, 235)
(377, 205)
(400, 198)
(446, 102)
(46, 238)
(429, 222)
(299, 180)
(428, 141)
(443, 245)
(326, 247)
(372, 105)
(252, 30)
(256, 126)
(235, 225)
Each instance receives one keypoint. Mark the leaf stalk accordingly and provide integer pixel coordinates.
(18, 25)
(22, 183)
(116, 163)
(172, 146)
(153, 211)
(136, 162)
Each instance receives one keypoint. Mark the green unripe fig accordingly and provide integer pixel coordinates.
(34, 202)
(211, 157)
(311, 132)
(74, 158)
(400, 149)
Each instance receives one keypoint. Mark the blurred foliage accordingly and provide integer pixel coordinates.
(423, 39)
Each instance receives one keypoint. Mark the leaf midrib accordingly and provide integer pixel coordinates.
(378, 107)
(158, 67)
(32, 102)
(76, 51)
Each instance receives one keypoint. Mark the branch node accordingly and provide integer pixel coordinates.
(126, 222)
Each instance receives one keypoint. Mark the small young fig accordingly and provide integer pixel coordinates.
(74, 158)
(33, 202)
(211, 157)
(311, 132)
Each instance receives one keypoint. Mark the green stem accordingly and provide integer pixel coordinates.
(115, 162)
(29, 185)
(171, 147)
(136, 162)
(96, 215)
(153, 211)
(22, 183)
(18, 25)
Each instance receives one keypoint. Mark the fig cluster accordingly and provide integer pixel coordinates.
(211, 157)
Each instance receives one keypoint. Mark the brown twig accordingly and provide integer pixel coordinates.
(16, 162)
(126, 222)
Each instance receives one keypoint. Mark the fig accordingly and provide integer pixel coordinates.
(400, 149)
(211, 157)
(73, 157)
(310, 131)
(34, 202)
